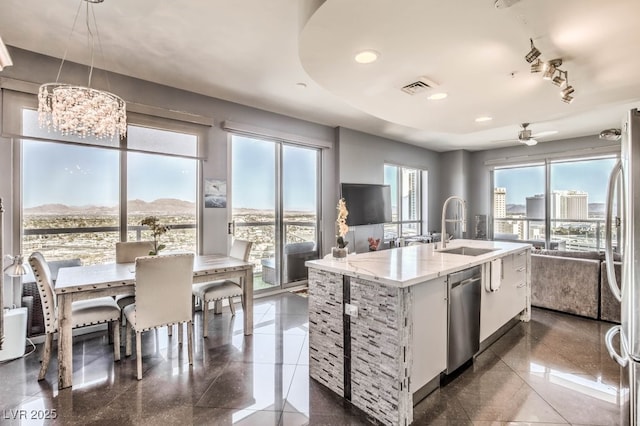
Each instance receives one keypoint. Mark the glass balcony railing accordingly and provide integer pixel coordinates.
(96, 244)
(566, 234)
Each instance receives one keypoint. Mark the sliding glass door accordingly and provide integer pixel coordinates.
(274, 204)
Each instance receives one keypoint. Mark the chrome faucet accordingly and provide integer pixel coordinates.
(462, 220)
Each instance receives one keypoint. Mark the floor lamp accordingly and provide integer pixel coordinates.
(13, 322)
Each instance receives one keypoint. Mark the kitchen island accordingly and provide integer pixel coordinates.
(378, 321)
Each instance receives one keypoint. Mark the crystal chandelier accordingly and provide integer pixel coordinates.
(82, 111)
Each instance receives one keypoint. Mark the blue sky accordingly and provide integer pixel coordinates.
(77, 176)
(590, 176)
(254, 175)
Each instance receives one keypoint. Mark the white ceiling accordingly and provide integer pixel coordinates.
(255, 52)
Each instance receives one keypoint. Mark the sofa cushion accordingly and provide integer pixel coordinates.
(566, 253)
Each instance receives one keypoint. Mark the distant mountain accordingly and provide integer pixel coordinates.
(516, 209)
(161, 205)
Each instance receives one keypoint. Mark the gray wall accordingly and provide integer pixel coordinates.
(361, 159)
(455, 179)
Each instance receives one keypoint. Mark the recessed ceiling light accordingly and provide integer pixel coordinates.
(367, 56)
(301, 85)
(437, 96)
(483, 118)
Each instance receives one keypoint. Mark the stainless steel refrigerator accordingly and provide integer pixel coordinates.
(626, 177)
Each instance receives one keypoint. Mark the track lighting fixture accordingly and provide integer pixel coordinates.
(559, 80)
(550, 71)
(551, 68)
(537, 66)
(566, 93)
(533, 54)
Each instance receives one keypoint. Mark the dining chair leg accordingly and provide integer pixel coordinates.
(205, 320)
(190, 341)
(127, 339)
(116, 339)
(110, 332)
(139, 354)
(46, 356)
(179, 334)
(242, 303)
(231, 307)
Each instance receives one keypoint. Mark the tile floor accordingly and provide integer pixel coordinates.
(553, 370)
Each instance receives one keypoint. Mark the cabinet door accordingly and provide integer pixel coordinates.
(492, 315)
(516, 279)
(497, 308)
(429, 331)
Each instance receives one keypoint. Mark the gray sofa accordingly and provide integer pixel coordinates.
(573, 282)
(295, 255)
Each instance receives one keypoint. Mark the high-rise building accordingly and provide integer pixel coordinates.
(564, 205)
(535, 207)
(575, 205)
(499, 208)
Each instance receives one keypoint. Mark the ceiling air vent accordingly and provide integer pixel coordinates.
(423, 84)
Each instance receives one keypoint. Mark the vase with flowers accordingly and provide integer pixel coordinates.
(157, 229)
(373, 243)
(340, 252)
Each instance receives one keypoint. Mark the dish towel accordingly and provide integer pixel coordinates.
(496, 276)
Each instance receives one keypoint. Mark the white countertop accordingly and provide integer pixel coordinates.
(407, 266)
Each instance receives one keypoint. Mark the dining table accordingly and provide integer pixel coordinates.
(112, 279)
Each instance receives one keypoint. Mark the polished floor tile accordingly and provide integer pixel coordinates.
(554, 370)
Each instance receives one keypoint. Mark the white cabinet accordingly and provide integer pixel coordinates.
(498, 307)
(429, 331)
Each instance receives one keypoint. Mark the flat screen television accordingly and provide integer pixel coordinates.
(367, 203)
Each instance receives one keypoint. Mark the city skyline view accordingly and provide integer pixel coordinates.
(589, 176)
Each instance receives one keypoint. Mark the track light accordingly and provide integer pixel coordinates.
(537, 66)
(559, 80)
(533, 54)
(565, 94)
(551, 68)
(550, 71)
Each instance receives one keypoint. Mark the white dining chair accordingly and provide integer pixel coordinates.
(126, 252)
(224, 289)
(162, 298)
(84, 312)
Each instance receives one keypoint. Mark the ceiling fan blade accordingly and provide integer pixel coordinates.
(544, 134)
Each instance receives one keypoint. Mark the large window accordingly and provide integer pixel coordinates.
(557, 204)
(75, 194)
(406, 201)
(519, 203)
(275, 205)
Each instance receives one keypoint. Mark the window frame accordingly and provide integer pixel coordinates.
(420, 200)
(547, 162)
(13, 104)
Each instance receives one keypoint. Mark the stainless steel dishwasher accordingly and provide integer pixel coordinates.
(463, 318)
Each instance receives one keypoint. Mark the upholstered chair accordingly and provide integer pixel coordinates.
(126, 252)
(218, 290)
(84, 312)
(162, 298)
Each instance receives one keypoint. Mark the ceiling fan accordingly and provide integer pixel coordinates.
(527, 138)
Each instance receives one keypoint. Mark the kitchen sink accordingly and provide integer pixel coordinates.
(467, 251)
